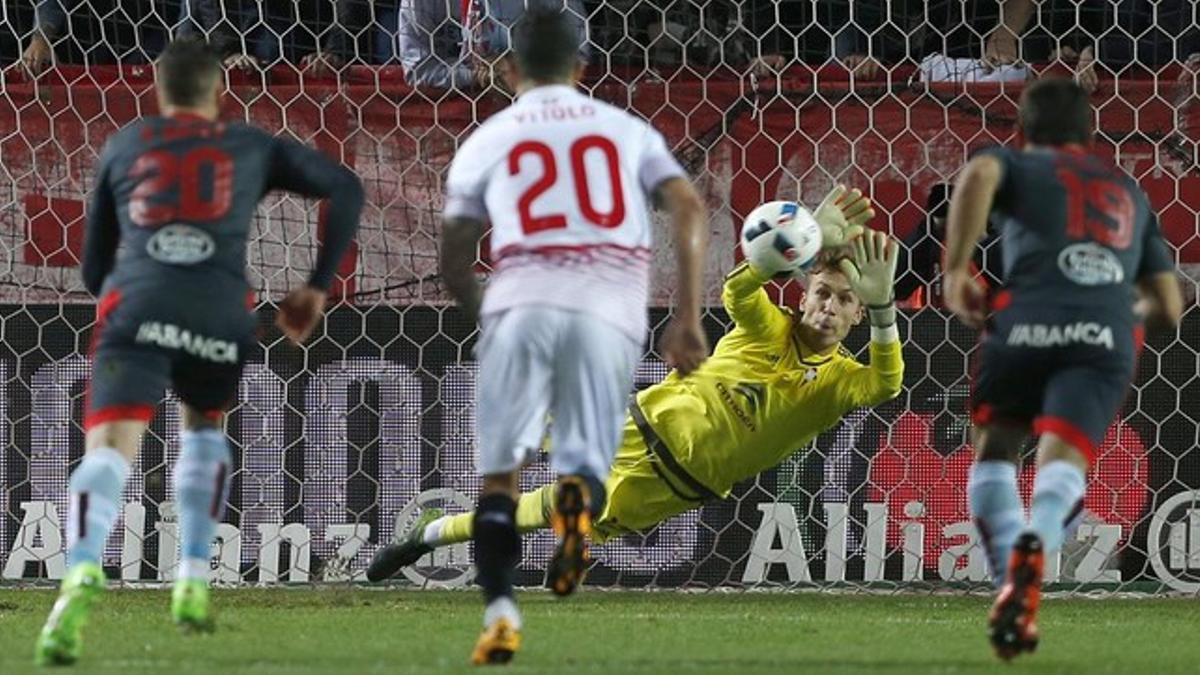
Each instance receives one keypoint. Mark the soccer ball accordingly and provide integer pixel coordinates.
(781, 237)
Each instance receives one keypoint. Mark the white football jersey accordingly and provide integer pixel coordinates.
(564, 180)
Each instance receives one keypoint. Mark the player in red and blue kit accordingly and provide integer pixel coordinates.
(165, 252)
(1084, 266)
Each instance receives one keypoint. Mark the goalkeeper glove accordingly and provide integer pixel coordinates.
(872, 275)
(842, 216)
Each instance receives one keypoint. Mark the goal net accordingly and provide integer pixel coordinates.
(339, 444)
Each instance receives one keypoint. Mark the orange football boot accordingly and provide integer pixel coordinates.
(1013, 619)
(497, 644)
(572, 522)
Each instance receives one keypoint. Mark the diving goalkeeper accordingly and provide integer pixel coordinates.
(773, 383)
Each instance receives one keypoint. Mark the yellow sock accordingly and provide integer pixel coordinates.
(456, 529)
(533, 509)
(533, 513)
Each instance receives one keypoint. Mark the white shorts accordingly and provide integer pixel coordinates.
(541, 364)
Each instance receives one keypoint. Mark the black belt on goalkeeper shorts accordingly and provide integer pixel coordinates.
(665, 464)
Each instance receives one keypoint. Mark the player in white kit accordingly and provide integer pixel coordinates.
(563, 181)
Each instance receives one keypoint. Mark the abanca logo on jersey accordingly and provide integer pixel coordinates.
(170, 336)
(1042, 335)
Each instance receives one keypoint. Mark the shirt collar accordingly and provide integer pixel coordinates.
(188, 117)
(547, 90)
(809, 357)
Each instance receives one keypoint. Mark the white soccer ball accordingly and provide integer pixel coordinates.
(782, 238)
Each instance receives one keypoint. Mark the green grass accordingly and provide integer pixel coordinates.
(406, 631)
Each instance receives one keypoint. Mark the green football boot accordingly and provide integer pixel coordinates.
(189, 606)
(390, 559)
(61, 638)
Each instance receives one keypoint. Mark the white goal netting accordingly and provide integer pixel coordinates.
(338, 445)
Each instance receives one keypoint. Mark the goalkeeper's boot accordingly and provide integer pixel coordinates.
(497, 644)
(572, 522)
(189, 606)
(390, 559)
(1013, 620)
(61, 638)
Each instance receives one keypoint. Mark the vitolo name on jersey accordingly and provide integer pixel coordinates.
(1051, 335)
(555, 113)
(170, 336)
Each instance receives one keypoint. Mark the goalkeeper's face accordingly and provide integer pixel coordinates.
(829, 308)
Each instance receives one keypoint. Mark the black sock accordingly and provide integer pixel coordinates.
(598, 493)
(497, 545)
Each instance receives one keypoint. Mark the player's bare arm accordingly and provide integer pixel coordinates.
(1160, 301)
(300, 311)
(460, 245)
(1159, 297)
(969, 208)
(684, 345)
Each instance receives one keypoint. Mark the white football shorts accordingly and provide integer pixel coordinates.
(540, 364)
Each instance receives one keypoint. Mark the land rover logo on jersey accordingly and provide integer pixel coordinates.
(1089, 264)
(180, 244)
(753, 392)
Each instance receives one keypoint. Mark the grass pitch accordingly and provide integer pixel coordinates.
(407, 631)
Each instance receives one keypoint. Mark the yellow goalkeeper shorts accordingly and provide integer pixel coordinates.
(642, 492)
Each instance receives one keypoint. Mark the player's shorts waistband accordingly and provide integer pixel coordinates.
(667, 464)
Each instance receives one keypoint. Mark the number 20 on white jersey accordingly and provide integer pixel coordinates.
(559, 169)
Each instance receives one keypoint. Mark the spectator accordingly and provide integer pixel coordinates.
(1066, 32)
(127, 31)
(436, 50)
(1150, 33)
(722, 33)
(225, 24)
(248, 33)
(872, 34)
(342, 39)
(1146, 33)
(103, 31)
(1004, 42)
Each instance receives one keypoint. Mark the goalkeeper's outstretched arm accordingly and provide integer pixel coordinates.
(872, 274)
(748, 305)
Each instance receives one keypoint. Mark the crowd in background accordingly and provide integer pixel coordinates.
(448, 42)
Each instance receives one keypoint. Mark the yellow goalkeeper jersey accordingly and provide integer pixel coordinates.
(762, 395)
